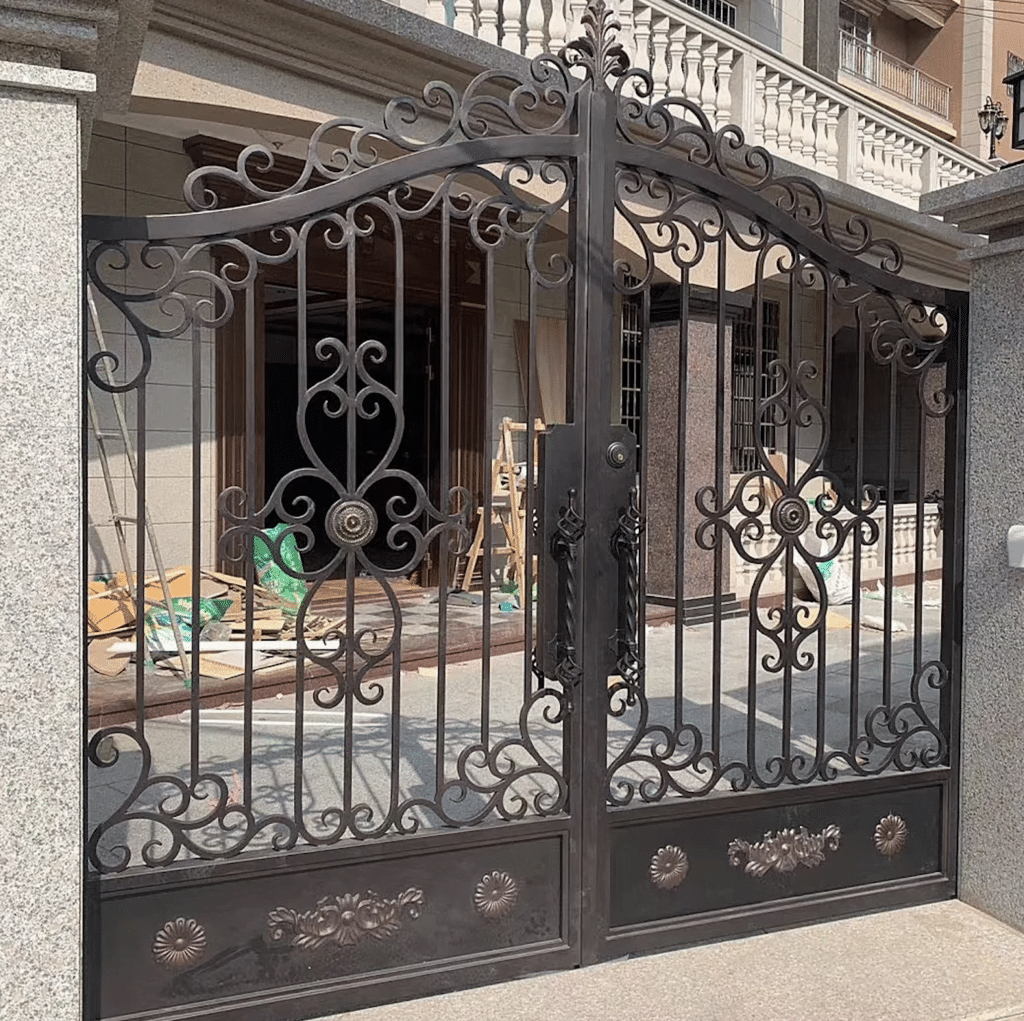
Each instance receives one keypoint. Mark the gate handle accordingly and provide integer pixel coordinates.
(625, 545)
(565, 549)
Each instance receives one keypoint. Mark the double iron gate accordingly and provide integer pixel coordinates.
(719, 690)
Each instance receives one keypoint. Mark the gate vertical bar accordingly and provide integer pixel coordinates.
(599, 569)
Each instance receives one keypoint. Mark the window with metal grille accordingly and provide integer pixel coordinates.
(723, 12)
(749, 382)
(631, 387)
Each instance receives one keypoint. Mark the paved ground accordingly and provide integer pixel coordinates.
(403, 766)
(940, 962)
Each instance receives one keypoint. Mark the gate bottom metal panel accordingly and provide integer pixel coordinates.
(329, 929)
(682, 877)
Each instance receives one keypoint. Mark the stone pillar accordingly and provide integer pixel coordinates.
(663, 374)
(41, 568)
(992, 750)
(821, 37)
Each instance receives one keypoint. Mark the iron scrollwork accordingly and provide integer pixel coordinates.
(784, 851)
(345, 920)
(498, 208)
(598, 52)
(197, 815)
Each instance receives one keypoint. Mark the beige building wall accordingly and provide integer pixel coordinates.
(940, 55)
(776, 24)
(1007, 38)
(890, 34)
(977, 72)
(134, 173)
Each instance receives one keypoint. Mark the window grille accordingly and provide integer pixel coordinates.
(631, 386)
(747, 380)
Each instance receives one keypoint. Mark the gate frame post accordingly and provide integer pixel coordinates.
(599, 576)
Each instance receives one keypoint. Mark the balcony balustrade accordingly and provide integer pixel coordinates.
(793, 112)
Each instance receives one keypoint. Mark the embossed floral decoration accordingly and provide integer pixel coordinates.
(891, 836)
(345, 920)
(495, 895)
(669, 867)
(179, 943)
(784, 851)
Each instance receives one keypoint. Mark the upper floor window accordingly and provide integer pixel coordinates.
(855, 23)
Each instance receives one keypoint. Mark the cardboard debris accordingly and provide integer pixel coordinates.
(226, 665)
(103, 661)
(111, 607)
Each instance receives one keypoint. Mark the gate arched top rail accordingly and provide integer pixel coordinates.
(503, 116)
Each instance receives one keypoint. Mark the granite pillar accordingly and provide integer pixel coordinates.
(821, 37)
(992, 745)
(41, 569)
(662, 489)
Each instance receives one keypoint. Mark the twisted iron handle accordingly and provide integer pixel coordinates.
(565, 549)
(626, 549)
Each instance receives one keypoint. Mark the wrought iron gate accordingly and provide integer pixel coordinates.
(701, 700)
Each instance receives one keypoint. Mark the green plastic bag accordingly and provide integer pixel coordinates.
(270, 575)
(160, 632)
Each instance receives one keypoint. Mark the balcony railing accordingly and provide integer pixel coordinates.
(794, 113)
(887, 72)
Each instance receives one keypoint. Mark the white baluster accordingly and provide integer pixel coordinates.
(557, 26)
(626, 36)
(808, 127)
(677, 61)
(511, 26)
(916, 162)
(832, 140)
(865, 134)
(576, 10)
(534, 27)
(692, 88)
(760, 108)
(785, 116)
(642, 31)
(906, 181)
(821, 135)
(464, 16)
(799, 134)
(723, 101)
(892, 156)
(709, 55)
(436, 11)
(865, 168)
(771, 111)
(883, 154)
(875, 149)
(489, 21)
(659, 68)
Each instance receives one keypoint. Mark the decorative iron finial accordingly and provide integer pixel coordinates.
(599, 50)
